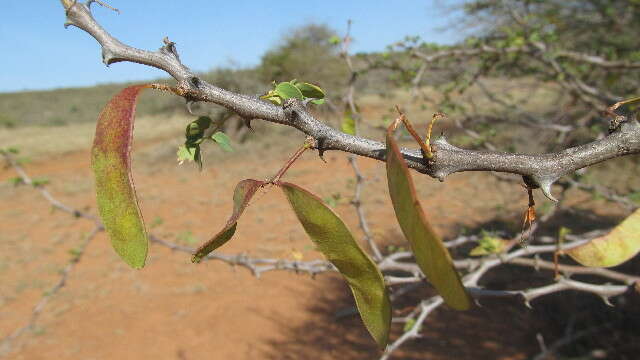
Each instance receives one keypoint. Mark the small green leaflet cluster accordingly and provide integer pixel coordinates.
(196, 132)
(10, 150)
(489, 244)
(294, 90)
(335, 40)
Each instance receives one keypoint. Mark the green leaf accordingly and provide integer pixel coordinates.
(195, 130)
(335, 40)
(489, 245)
(618, 246)
(273, 97)
(318, 101)
(431, 255)
(348, 125)
(37, 182)
(409, 325)
(189, 153)
(286, 91)
(310, 90)
(11, 150)
(334, 240)
(276, 100)
(15, 181)
(185, 154)
(241, 196)
(115, 190)
(223, 140)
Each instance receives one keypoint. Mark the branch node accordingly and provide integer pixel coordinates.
(535, 182)
(108, 57)
(170, 48)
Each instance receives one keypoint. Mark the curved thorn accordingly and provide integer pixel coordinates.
(247, 123)
(189, 109)
(545, 186)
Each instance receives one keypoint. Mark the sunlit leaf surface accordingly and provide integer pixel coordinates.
(618, 246)
(115, 190)
(287, 90)
(431, 255)
(334, 240)
(310, 90)
(241, 196)
(348, 125)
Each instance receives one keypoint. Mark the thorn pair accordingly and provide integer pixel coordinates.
(425, 146)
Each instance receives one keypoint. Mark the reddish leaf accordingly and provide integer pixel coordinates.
(334, 240)
(115, 190)
(431, 255)
(241, 196)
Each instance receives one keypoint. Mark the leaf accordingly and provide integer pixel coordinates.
(115, 190)
(310, 90)
(15, 181)
(618, 246)
(37, 182)
(332, 237)
(276, 100)
(186, 154)
(409, 325)
(223, 140)
(287, 90)
(243, 193)
(195, 130)
(431, 255)
(189, 153)
(272, 96)
(489, 245)
(318, 101)
(348, 125)
(335, 40)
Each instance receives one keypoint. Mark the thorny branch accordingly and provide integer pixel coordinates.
(541, 169)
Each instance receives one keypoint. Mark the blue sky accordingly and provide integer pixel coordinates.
(39, 53)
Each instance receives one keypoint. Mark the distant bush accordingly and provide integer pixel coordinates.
(306, 53)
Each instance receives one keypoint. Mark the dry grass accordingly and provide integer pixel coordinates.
(39, 141)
